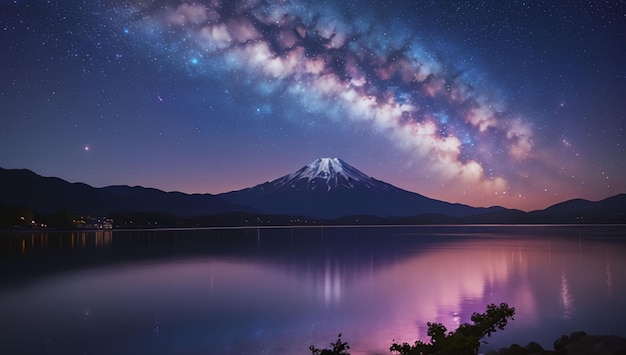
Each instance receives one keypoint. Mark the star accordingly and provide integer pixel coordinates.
(419, 94)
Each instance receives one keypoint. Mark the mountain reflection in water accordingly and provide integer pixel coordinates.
(279, 290)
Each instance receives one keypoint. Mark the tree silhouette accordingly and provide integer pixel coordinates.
(339, 348)
(465, 340)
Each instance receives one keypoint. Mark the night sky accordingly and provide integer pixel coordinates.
(514, 103)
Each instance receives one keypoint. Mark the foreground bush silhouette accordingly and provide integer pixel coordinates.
(463, 341)
(339, 348)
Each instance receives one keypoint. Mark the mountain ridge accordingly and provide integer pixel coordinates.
(331, 188)
(49, 195)
(341, 192)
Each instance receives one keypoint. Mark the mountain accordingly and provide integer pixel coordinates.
(331, 188)
(327, 190)
(49, 195)
(577, 211)
(609, 210)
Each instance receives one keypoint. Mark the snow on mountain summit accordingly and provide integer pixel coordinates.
(323, 168)
(333, 172)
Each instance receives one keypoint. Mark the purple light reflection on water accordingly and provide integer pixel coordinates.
(205, 292)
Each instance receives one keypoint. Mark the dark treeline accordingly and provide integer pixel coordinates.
(608, 211)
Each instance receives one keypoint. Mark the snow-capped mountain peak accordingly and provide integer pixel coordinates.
(331, 188)
(323, 168)
(332, 172)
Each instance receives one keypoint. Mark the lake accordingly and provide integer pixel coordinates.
(279, 290)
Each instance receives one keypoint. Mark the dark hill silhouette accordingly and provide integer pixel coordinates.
(325, 191)
(609, 210)
(49, 195)
(577, 211)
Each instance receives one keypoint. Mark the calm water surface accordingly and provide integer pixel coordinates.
(277, 291)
